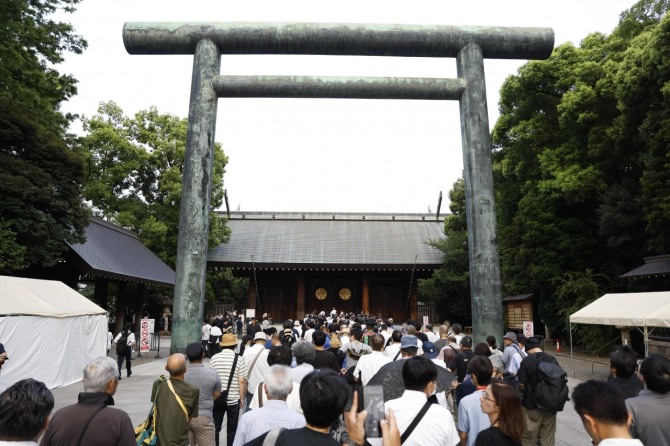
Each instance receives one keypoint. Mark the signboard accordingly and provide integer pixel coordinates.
(251, 312)
(425, 320)
(146, 327)
(528, 330)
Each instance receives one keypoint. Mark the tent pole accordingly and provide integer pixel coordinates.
(572, 357)
(646, 340)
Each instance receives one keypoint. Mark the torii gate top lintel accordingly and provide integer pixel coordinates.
(338, 39)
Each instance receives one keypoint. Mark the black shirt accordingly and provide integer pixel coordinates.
(460, 364)
(629, 388)
(325, 359)
(298, 437)
(494, 437)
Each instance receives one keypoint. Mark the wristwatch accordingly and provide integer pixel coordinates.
(346, 439)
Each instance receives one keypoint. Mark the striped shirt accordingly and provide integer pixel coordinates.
(222, 363)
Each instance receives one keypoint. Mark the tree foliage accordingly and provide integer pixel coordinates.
(40, 176)
(581, 164)
(134, 174)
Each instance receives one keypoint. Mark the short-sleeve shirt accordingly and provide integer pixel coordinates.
(460, 364)
(223, 363)
(471, 419)
(171, 421)
(208, 381)
(129, 340)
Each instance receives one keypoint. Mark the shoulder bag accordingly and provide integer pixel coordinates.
(145, 432)
(222, 401)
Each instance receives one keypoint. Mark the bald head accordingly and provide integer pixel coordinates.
(176, 366)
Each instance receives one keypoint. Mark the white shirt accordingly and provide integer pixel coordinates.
(432, 337)
(439, 363)
(205, 332)
(436, 428)
(130, 340)
(620, 442)
(214, 330)
(261, 366)
(300, 371)
(369, 365)
(308, 335)
(274, 413)
(293, 400)
(392, 350)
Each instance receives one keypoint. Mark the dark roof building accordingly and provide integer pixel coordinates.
(653, 266)
(113, 252)
(310, 261)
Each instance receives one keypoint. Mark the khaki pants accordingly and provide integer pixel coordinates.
(540, 427)
(201, 431)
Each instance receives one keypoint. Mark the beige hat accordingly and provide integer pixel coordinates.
(260, 335)
(227, 340)
(344, 329)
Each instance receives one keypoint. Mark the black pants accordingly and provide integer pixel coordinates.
(233, 412)
(121, 357)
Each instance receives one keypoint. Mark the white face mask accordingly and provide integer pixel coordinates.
(434, 389)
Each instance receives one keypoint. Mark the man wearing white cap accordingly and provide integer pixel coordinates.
(256, 359)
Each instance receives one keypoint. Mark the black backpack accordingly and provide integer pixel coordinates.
(122, 344)
(551, 390)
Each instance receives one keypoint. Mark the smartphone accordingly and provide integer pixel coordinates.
(373, 397)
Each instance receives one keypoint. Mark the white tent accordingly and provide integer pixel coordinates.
(49, 331)
(645, 310)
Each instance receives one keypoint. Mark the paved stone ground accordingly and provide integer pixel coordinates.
(133, 393)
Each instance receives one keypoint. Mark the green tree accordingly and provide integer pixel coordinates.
(134, 173)
(40, 176)
(580, 161)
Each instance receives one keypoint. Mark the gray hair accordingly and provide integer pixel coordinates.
(279, 382)
(98, 373)
(303, 352)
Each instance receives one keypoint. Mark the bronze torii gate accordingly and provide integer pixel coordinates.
(207, 41)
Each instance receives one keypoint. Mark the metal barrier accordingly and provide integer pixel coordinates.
(154, 345)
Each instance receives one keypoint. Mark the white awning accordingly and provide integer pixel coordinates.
(49, 298)
(627, 309)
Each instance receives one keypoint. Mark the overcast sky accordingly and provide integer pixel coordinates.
(326, 155)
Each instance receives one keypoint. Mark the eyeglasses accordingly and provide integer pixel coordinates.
(486, 396)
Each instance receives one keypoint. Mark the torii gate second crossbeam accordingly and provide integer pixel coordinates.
(208, 41)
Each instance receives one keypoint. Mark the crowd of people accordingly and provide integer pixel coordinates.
(305, 384)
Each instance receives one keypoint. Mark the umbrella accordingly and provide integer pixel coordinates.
(390, 378)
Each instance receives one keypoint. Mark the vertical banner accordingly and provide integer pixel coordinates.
(145, 342)
(528, 330)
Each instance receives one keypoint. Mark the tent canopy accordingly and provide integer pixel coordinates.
(627, 309)
(19, 296)
(49, 330)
